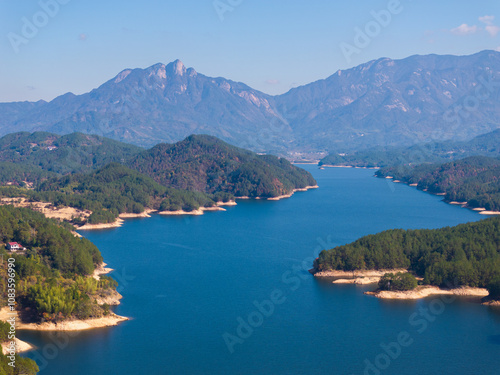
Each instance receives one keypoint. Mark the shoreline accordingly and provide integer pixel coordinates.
(366, 277)
(146, 213)
(358, 281)
(21, 347)
(110, 320)
(101, 270)
(116, 224)
(429, 290)
(352, 275)
(479, 210)
(200, 211)
(292, 193)
(345, 166)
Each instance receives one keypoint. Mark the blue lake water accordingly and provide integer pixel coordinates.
(188, 283)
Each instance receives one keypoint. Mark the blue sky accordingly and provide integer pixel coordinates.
(270, 45)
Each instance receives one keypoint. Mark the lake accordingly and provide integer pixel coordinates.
(229, 293)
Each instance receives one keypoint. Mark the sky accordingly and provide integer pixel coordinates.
(51, 47)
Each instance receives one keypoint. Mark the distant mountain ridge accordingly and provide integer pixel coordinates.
(383, 102)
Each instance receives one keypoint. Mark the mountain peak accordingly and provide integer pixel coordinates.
(176, 68)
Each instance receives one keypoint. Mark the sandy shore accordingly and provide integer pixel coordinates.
(292, 193)
(358, 281)
(230, 203)
(215, 208)
(197, 212)
(71, 325)
(357, 274)
(489, 212)
(426, 291)
(101, 270)
(146, 213)
(74, 325)
(492, 303)
(118, 223)
(21, 347)
(481, 211)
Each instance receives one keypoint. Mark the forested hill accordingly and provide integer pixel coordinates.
(205, 163)
(199, 163)
(113, 190)
(434, 152)
(465, 255)
(70, 153)
(475, 180)
(53, 277)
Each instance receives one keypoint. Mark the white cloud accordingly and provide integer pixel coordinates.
(497, 49)
(464, 29)
(487, 20)
(492, 30)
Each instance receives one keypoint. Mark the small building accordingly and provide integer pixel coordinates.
(14, 246)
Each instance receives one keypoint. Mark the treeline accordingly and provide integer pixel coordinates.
(433, 152)
(465, 255)
(475, 180)
(206, 164)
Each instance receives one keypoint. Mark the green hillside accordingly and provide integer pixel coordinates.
(207, 164)
(475, 180)
(465, 255)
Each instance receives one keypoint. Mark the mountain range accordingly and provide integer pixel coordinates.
(383, 102)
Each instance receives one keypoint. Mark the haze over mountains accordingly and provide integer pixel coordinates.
(381, 103)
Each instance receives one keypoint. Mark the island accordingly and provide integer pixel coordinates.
(409, 264)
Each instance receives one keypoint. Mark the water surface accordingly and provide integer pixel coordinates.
(188, 281)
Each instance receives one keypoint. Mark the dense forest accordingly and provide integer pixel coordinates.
(207, 164)
(433, 152)
(475, 180)
(53, 275)
(72, 153)
(110, 191)
(108, 177)
(53, 281)
(199, 163)
(22, 175)
(465, 255)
